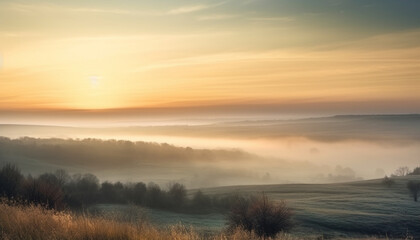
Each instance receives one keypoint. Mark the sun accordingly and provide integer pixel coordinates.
(95, 81)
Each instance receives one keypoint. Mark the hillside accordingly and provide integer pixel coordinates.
(345, 209)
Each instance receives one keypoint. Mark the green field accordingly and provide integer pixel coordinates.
(356, 209)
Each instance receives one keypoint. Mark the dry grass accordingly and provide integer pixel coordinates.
(35, 222)
(24, 222)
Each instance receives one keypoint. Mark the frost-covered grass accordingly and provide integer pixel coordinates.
(345, 209)
(358, 209)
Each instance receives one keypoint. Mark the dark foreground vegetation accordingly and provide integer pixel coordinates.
(28, 221)
(22, 222)
(56, 191)
(59, 190)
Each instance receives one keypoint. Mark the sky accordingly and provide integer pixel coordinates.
(235, 55)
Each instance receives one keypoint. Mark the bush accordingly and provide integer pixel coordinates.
(387, 181)
(259, 215)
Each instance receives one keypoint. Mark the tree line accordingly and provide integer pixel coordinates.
(61, 190)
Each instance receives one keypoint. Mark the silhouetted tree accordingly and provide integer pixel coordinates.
(82, 189)
(62, 176)
(139, 193)
(45, 190)
(414, 188)
(258, 214)
(416, 171)
(154, 195)
(108, 193)
(177, 194)
(200, 201)
(402, 171)
(10, 180)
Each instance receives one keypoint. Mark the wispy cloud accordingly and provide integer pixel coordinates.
(192, 8)
(274, 19)
(188, 9)
(58, 8)
(216, 17)
(28, 8)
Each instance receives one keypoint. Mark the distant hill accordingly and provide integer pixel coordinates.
(399, 129)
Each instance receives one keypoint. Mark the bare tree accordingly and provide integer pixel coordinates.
(62, 176)
(414, 188)
(402, 171)
(10, 180)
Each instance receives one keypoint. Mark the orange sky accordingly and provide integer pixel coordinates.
(97, 56)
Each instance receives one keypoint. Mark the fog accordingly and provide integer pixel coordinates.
(329, 149)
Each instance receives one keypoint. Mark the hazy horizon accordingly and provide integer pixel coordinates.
(307, 150)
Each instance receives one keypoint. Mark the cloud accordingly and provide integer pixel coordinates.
(216, 17)
(32, 8)
(192, 8)
(274, 19)
(57, 8)
(29, 8)
(188, 9)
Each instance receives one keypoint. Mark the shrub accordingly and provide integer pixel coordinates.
(387, 181)
(259, 215)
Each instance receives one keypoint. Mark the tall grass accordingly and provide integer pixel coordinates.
(24, 222)
(34, 222)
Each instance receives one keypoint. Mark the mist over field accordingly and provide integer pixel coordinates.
(322, 150)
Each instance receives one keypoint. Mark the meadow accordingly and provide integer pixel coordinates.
(352, 209)
(361, 209)
(342, 210)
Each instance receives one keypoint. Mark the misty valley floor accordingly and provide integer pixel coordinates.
(358, 209)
